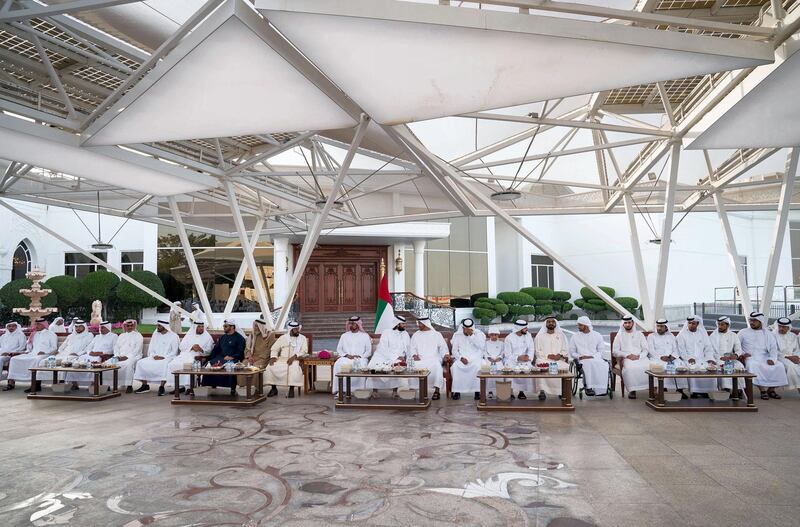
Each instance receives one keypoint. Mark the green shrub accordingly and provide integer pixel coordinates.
(545, 308)
(594, 308)
(487, 309)
(587, 293)
(173, 288)
(488, 300)
(130, 295)
(98, 285)
(514, 297)
(538, 293)
(561, 296)
(596, 301)
(628, 303)
(566, 306)
(516, 310)
(580, 302)
(474, 298)
(484, 315)
(67, 289)
(501, 309)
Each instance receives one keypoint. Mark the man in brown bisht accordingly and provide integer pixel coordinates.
(259, 343)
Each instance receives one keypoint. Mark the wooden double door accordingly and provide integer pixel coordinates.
(341, 279)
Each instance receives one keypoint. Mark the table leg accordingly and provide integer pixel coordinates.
(306, 378)
(349, 393)
(735, 388)
(248, 387)
(260, 384)
(331, 366)
(748, 391)
(566, 391)
(341, 389)
(483, 392)
(423, 389)
(115, 381)
(98, 377)
(55, 378)
(177, 387)
(651, 389)
(33, 382)
(660, 394)
(100, 373)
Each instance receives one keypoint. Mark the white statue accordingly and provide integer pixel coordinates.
(97, 313)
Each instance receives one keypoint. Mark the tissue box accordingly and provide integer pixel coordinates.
(61, 388)
(503, 391)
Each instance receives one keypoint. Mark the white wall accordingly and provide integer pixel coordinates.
(48, 252)
(599, 248)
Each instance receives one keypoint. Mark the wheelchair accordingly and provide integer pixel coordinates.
(577, 370)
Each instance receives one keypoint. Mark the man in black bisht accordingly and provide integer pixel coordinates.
(229, 348)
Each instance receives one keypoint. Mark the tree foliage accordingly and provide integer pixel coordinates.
(67, 289)
(129, 294)
(98, 285)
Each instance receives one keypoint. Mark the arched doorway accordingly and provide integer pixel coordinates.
(21, 262)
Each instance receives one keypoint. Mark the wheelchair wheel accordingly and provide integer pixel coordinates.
(610, 394)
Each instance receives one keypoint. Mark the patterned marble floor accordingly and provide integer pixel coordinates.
(138, 461)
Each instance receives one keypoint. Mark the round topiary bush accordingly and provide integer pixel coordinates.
(515, 297)
(474, 298)
(628, 303)
(587, 293)
(538, 293)
(131, 295)
(596, 301)
(561, 296)
(484, 315)
(566, 306)
(98, 285)
(544, 308)
(66, 288)
(593, 308)
(580, 302)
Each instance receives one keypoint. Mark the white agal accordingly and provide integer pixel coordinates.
(392, 347)
(357, 344)
(471, 349)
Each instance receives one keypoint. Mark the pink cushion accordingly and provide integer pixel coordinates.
(324, 354)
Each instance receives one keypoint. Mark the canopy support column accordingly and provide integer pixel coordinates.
(237, 283)
(784, 204)
(638, 262)
(312, 235)
(666, 229)
(187, 252)
(248, 253)
(733, 254)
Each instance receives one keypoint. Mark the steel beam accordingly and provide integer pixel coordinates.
(666, 230)
(59, 9)
(187, 252)
(784, 202)
(316, 226)
(733, 254)
(638, 263)
(237, 283)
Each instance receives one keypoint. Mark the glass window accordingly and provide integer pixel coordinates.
(132, 261)
(542, 271)
(21, 261)
(79, 265)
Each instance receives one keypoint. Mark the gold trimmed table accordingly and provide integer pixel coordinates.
(254, 387)
(346, 400)
(733, 404)
(98, 381)
(564, 405)
(310, 363)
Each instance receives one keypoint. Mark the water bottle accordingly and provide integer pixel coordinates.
(728, 366)
(51, 361)
(671, 368)
(493, 368)
(410, 362)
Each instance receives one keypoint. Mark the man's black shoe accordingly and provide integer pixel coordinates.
(589, 392)
(456, 396)
(477, 396)
(144, 388)
(542, 396)
(273, 391)
(522, 396)
(161, 391)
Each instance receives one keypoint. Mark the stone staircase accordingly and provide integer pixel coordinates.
(332, 325)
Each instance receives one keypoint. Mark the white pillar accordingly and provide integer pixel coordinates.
(280, 269)
(419, 268)
(491, 258)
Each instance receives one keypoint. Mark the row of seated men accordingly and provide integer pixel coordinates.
(774, 356)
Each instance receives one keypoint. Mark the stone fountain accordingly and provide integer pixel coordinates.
(35, 293)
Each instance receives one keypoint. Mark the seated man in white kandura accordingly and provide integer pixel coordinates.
(428, 350)
(102, 345)
(128, 351)
(519, 350)
(586, 347)
(467, 346)
(392, 350)
(695, 350)
(788, 350)
(283, 367)
(494, 354)
(75, 347)
(41, 344)
(155, 367)
(630, 346)
(726, 346)
(196, 344)
(662, 348)
(12, 342)
(551, 346)
(354, 347)
(760, 352)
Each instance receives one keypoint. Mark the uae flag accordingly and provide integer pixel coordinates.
(384, 314)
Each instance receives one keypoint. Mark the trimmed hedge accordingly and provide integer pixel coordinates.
(566, 307)
(538, 293)
(587, 293)
(596, 301)
(628, 303)
(98, 285)
(545, 308)
(474, 298)
(129, 294)
(10, 296)
(561, 296)
(66, 288)
(515, 297)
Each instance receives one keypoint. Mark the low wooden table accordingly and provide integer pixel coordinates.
(564, 405)
(252, 397)
(98, 380)
(734, 404)
(309, 365)
(346, 399)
